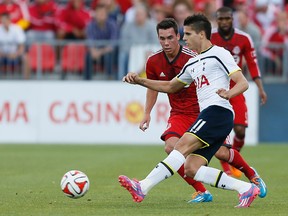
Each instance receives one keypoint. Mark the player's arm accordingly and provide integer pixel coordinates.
(261, 90)
(240, 86)
(251, 60)
(151, 98)
(171, 86)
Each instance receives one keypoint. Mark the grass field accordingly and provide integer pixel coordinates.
(31, 174)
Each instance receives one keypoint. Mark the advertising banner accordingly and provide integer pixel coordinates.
(78, 112)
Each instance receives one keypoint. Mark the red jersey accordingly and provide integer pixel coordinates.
(158, 67)
(70, 18)
(42, 16)
(239, 45)
(14, 9)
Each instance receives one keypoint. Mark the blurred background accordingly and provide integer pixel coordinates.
(61, 65)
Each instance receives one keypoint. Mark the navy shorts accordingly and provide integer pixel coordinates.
(212, 127)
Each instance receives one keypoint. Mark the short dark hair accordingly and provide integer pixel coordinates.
(199, 22)
(224, 10)
(5, 14)
(166, 24)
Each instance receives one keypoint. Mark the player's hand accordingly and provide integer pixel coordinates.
(131, 78)
(223, 93)
(144, 124)
(263, 97)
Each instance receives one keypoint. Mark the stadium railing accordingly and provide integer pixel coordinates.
(67, 60)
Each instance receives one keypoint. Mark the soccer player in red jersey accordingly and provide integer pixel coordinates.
(240, 45)
(165, 65)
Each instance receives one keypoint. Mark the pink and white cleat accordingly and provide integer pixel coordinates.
(245, 199)
(133, 186)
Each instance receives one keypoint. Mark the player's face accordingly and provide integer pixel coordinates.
(169, 40)
(224, 21)
(192, 39)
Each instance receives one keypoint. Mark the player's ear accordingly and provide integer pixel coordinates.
(202, 34)
(178, 36)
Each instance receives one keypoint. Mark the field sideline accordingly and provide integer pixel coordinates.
(31, 174)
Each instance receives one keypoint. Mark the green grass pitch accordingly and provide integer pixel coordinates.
(31, 174)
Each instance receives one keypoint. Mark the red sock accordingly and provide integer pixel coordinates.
(225, 166)
(238, 143)
(237, 161)
(197, 185)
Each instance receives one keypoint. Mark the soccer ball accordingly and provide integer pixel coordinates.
(75, 184)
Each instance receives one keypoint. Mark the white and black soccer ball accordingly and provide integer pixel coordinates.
(75, 184)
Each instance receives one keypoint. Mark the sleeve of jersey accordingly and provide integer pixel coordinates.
(149, 70)
(184, 76)
(227, 62)
(251, 59)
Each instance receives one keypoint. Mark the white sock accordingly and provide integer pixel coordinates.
(162, 171)
(220, 179)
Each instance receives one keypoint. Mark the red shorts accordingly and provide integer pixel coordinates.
(177, 125)
(240, 109)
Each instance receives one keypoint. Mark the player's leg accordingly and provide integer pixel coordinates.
(239, 138)
(201, 193)
(217, 178)
(177, 126)
(240, 121)
(240, 124)
(235, 159)
(163, 170)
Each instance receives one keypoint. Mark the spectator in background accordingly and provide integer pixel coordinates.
(167, 5)
(124, 4)
(114, 9)
(274, 41)
(105, 29)
(158, 13)
(264, 14)
(131, 11)
(72, 20)
(140, 31)
(42, 20)
(248, 26)
(245, 24)
(12, 39)
(181, 10)
(18, 12)
(209, 10)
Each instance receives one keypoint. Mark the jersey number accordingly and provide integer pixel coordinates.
(197, 126)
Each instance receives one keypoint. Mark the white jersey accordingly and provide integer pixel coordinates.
(210, 71)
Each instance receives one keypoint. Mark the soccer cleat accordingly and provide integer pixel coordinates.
(199, 197)
(133, 186)
(235, 172)
(245, 199)
(259, 183)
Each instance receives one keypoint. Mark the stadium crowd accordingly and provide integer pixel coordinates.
(89, 37)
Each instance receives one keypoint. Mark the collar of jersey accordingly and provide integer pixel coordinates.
(207, 49)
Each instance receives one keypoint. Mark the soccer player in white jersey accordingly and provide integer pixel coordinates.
(211, 72)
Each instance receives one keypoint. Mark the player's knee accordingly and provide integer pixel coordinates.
(191, 171)
(168, 149)
(240, 132)
(222, 153)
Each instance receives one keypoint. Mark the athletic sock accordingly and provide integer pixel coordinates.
(237, 161)
(237, 143)
(219, 179)
(198, 186)
(226, 167)
(163, 170)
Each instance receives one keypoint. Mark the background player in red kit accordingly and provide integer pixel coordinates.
(165, 65)
(239, 44)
